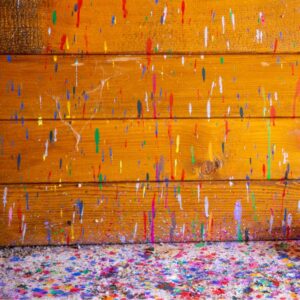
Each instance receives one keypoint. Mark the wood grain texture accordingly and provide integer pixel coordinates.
(149, 150)
(153, 26)
(20, 25)
(84, 87)
(61, 214)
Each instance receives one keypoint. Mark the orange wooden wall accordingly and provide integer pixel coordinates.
(148, 121)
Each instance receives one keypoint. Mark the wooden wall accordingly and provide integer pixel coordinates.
(149, 121)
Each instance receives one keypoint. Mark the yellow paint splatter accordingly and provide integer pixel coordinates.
(177, 143)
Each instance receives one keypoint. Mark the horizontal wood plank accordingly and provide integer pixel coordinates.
(54, 87)
(32, 26)
(148, 150)
(61, 214)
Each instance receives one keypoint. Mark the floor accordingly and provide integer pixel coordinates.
(265, 270)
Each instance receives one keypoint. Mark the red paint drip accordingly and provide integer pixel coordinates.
(63, 42)
(264, 170)
(275, 45)
(152, 219)
(149, 50)
(79, 5)
(145, 226)
(83, 111)
(171, 106)
(297, 93)
(125, 12)
(154, 84)
(154, 110)
(226, 129)
(182, 175)
(273, 114)
(182, 11)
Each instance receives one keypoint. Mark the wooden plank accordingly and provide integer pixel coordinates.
(122, 87)
(60, 214)
(148, 150)
(149, 26)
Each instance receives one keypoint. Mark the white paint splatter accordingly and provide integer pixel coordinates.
(146, 101)
(206, 206)
(165, 14)
(46, 150)
(190, 108)
(135, 230)
(271, 223)
(24, 232)
(289, 220)
(4, 196)
(182, 60)
(298, 205)
(221, 85)
(179, 199)
(223, 24)
(208, 108)
(205, 36)
(259, 36)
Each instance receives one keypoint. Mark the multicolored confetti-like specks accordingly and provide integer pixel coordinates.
(257, 270)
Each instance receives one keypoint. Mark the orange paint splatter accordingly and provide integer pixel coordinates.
(149, 50)
(125, 12)
(63, 42)
(79, 5)
(273, 114)
(182, 11)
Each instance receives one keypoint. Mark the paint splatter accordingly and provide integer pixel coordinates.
(54, 17)
(182, 11)
(124, 9)
(79, 6)
(19, 161)
(97, 139)
(139, 109)
(63, 41)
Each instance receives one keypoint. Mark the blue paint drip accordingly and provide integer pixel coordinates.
(113, 19)
(79, 205)
(27, 200)
(19, 161)
(203, 74)
(8, 57)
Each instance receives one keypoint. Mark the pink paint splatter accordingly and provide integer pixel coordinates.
(152, 219)
(63, 42)
(79, 5)
(273, 114)
(125, 12)
(182, 11)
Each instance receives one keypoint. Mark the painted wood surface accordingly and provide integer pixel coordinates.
(149, 150)
(149, 212)
(147, 121)
(152, 26)
(83, 87)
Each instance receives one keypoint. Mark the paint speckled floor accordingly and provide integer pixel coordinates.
(265, 270)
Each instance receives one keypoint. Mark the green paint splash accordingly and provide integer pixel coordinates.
(97, 139)
(269, 151)
(100, 181)
(54, 17)
(239, 233)
(193, 155)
